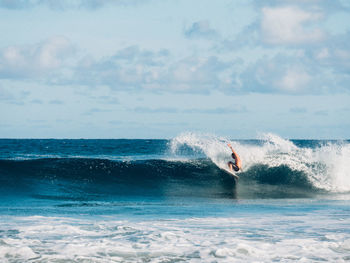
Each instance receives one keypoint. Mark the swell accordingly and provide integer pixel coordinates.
(91, 179)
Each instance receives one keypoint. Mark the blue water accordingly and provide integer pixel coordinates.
(172, 201)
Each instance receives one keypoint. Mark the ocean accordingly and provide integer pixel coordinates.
(123, 200)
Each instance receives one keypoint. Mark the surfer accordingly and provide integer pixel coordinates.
(237, 165)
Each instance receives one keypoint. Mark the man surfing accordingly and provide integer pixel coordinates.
(237, 165)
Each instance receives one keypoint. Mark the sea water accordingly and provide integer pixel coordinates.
(172, 201)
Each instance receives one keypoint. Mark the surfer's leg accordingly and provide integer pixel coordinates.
(230, 165)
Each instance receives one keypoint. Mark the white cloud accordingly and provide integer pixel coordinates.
(287, 23)
(294, 80)
(198, 74)
(322, 54)
(311, 58)
(136, 69)
(287, 75)
(333, 55)
(290, 25)
(30, 61)
(49, 55)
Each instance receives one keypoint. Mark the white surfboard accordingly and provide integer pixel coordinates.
(231, 173)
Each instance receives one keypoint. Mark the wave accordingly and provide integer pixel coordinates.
(100, 179)
(272, 168)
(323, 165)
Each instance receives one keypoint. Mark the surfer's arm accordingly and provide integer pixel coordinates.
(238, 160)
(233, 151)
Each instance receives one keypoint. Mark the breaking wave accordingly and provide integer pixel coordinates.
(323, 166)
(272, 168)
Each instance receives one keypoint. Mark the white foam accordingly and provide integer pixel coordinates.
(238, 239)
(326, 166)
(213, 147)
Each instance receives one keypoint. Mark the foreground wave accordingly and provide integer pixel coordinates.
(190, 164)
(91, 179)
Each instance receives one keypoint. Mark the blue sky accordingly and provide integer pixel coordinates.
(154, 69)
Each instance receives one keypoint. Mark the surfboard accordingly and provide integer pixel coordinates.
(231, 173)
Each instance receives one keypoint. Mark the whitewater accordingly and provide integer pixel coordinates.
(171, 200)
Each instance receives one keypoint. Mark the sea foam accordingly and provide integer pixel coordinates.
(244, 238)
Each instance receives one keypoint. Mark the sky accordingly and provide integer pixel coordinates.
(158, 68)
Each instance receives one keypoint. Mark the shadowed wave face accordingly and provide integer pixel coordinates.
(76, 178)
(100, 179)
